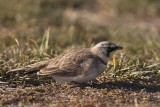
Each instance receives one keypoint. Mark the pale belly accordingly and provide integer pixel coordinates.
(91, 75)
(78, 79)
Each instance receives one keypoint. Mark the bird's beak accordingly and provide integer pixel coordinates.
(119, 48)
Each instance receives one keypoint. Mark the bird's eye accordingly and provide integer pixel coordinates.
(109, 48)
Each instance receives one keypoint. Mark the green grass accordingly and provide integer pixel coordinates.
(33, 38)
(31, 31)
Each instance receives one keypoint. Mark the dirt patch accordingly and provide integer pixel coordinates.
(91, 94)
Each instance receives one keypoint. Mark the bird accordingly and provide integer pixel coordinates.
(78, 65)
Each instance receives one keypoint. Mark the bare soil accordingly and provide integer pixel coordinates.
(99, 93)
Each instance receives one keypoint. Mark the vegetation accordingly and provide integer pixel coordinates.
(31, 31)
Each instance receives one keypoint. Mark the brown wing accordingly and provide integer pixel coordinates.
(31, 68)
(72, 63)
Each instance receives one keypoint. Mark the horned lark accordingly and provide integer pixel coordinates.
(78, 66)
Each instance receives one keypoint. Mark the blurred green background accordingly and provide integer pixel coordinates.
(134, 24)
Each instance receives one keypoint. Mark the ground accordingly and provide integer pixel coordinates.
(32, 31)
(91, 94)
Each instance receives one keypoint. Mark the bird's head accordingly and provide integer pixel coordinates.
(105, 48)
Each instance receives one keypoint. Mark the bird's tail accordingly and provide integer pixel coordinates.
(31, 68)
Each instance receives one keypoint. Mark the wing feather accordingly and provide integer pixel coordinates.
(70, 64)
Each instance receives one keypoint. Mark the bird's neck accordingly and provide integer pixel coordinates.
(99, 53)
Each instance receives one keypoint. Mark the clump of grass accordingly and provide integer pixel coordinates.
(26, 39)
(45, 42)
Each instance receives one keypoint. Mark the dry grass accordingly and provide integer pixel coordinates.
(42, 29)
